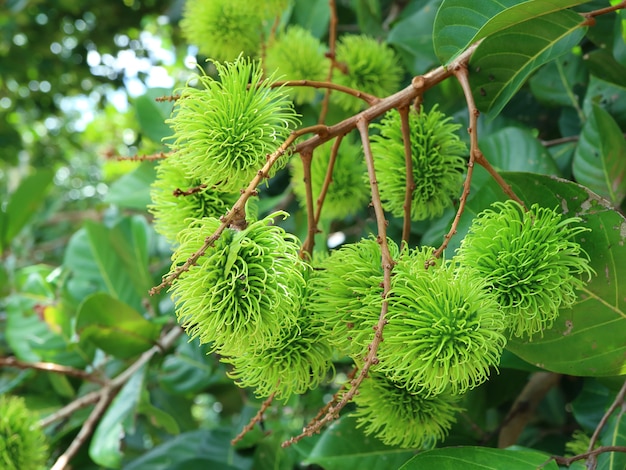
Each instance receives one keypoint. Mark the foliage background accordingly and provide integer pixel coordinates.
(79, 254)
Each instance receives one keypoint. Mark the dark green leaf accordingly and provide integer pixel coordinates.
(22, 205)
(105, 447)
(600, 159)
(201, 449)
(133, 189)
(610, 97)
(590, 404)
(613, 434)
(480, 458)
(189, 370)
(343, 445)
(517, 149)
(603, 65)
(503, 61)
(561, 82)
(152, 114)
(313, 15)
(459, 23)
(114, 326)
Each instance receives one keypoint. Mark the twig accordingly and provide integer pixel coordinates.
(332, 43)
(604, 11)
(165, 343)
(258, 417)
(307, 246)
(142, 158)
(52, 367)
(619, 401)
(567, 461)
(387, 265)
(328, 178)
(369, 99)
(408, 169)
(85, 431)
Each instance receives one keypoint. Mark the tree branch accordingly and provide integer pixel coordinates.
(52, 367)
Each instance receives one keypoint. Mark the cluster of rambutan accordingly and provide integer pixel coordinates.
(23, 444)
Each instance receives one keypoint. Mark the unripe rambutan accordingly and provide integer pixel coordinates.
(246, 288)
(348, 192)
(444, 329)
(438, 163)
(529, 260)
(177, 200)
(223, 29)
(224, 130)
(297, 55)
(22, 442)
(346, 295)
(372, 67)
(298, 361)
(399, 417)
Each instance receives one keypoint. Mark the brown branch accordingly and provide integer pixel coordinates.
(164, 343)
(603, 11)
(52, 367)
(369, 99)
(257, 418)
(188, 192)
(332, 43)
(408, 169)
(619, 401)
(167, 98)
(309, 243)
(387, 265)
(142, 158)
(567, 461)
(328, 178)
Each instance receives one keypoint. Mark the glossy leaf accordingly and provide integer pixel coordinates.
(22, 205)
(562, 82)
(610, 97)
(201, 449)
(189, 370)
(105, 447)
(133, 189)
(114, 326)
(590, 404)
(460, 23)
(613, 434)
(503, 61)
(602, 64)
(588, 339)
(343, 445)
(600, 158)
(517, 149)
(480, 458)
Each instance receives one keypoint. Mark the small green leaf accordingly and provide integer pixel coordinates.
(133, 189)
(600, 158)
(503, 61)
(480, 458)
(22, 205)
(105, 447)
(152, 114)
(459, 23)
(343, 445)
(114, 326)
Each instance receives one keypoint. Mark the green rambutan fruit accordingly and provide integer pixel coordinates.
(348, 192)
(223, 29)
(372, 67)
(177, 200)
(224, 130)
(298, 361)
(438, 163)
(529, 260)
(346, 295)
(297, 55)
(23, 443)
(245, 289)
(399, 417)
(444, 330)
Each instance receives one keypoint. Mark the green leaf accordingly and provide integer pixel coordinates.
(588, 339)
(561, 82)
(132, 190)
(600, 158)
(201, 449)
(313, 15)
(105, 447)
(591, 404)
(503, 61)
(23, 204)
(343, 445)
(480, 458)
(114, 326)
(610, 97)
(613, 434)
(459, 23)
(517, 149)
(603, 65)
(189, 370)
(412, 39)
(152, 114)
